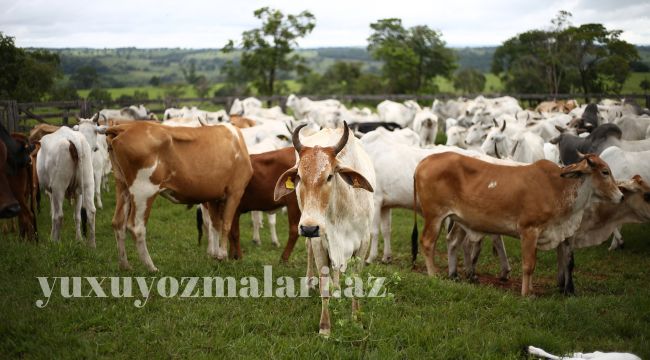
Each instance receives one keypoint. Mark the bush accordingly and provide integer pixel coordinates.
(101, 95)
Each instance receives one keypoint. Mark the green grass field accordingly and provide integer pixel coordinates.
(426, 317)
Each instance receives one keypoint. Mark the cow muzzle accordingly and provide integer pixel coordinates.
(309, 231)
(10, 211)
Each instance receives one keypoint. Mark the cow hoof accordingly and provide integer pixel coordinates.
(276, 244)
(257, 242)
(387, 259)
(153, 269)
(454, 277)
(125, 267)
(473, 279)
(325, 333)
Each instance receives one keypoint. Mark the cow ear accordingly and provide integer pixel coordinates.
(575, 170)
(75, 128)
(101, 129)
(354, 179)
(555, 140)
(285, 184)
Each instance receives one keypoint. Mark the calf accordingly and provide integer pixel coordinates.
(542, 204)
(333, 180)
(186, 166)
(258, 196)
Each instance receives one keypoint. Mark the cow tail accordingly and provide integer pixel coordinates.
(84, 222)
(414, 233)
(74, 155)
(199, 222)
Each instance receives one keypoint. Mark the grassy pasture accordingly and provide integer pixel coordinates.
(425, 317)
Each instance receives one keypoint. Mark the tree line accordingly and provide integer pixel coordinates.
(564, 58)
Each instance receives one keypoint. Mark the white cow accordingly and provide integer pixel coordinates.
(402, 114)
(513, 143)
(96, 139)
(302, 107)
(64, 167)
(333, 179)
(243, 107)
(208, 117)
(634, 127)
(425, 124)
(578, 356)
(456, 136)
(128, 113)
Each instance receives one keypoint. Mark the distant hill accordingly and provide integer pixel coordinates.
(121, 67)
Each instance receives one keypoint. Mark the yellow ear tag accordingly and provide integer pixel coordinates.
(289, 184)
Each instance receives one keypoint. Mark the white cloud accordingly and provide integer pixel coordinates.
(201, 24)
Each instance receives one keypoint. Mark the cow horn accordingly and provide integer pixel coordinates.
(344, 139)
(495, 122)
(496, 151)
(295, 138)
(504, 125)
(96, 118)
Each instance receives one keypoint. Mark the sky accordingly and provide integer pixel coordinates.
(210, 24)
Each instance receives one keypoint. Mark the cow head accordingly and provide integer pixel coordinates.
(496, 143)
(89, 129)
(315, 178)
(604, 185)
(637, 196)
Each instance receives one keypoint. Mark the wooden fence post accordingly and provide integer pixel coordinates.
(12, 116)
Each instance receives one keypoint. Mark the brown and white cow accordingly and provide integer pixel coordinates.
(333, 180)
(185, 165)
(258, 196)
(242, 122)
(541, 203)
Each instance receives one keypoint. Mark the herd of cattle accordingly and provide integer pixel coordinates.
(561, 176)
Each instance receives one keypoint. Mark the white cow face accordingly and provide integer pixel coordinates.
(496, 144)
(456, 136)
(89, 129)
(476, 134)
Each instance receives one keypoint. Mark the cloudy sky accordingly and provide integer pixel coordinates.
(209, 24)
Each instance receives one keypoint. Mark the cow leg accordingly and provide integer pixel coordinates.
(293, 215)
(374, 233)
(472, 249)
(499, 248)
(529, 257)
(321, 260)
(98, 188)
(565, 268)
(89, 206)
(617, 239)
(78, 204)
(56, 206)
(137, 224)
(122, 207)
(428, 242)
(385, 233)
(234, 235)
(363, 249)
(311, 282)
(454, 237)
(229, 209)
(256, 216)
(274, 235)
(215, 209)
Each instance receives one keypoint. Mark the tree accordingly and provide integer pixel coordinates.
(339, 78)
(190, 74)
(26, 75)
(100, 95)
(412, 57)
(154, 81)
(469, 81)
(588, 58)
(645, 85)
(85, 77)
(266, 51)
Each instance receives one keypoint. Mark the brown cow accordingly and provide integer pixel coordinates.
(9, 206)
(267, 167)
(186, 166)
(242, 122)
(20, 183)
(564, 106)
(541, 203)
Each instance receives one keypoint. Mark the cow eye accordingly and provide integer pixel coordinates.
(329, 178)
(605, 173)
